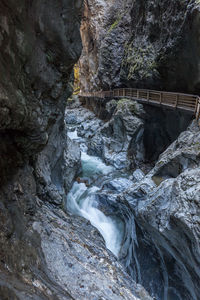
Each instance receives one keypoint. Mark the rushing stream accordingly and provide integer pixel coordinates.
(82, 200)
(112, 200)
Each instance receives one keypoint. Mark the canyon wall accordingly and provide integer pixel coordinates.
(144, 44)
(45, 253)
(39, 43)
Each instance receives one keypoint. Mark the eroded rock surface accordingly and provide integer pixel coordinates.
(119, 142)
(76, 259)
(165, 205)
(39, 45)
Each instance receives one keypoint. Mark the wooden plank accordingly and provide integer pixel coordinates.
(169, 97)
(187, 102)
(185, 107)
(190, 98)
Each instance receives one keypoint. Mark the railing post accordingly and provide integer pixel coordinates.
(148, 96)
(161, 98)
(124, 94)
(196, 105)
(176, 103)
(137, 94)
(198, 110)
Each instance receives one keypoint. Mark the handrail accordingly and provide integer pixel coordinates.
(187, 102)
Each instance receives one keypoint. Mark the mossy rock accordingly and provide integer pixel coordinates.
(125, 104)
(157, 180)
(139, 61)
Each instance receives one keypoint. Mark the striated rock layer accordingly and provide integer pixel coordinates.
(144, 44)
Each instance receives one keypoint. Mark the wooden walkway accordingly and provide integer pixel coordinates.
(185, 102)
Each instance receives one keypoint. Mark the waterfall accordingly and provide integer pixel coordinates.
(81, 201)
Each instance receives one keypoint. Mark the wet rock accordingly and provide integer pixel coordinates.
(184, 153)
(119, 141)
(86, 120)
(39, 43)
(78, 262)
(118, 185)
(73, 163)
(165, 210)
(138, 175)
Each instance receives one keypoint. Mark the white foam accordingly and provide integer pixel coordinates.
(81, 201)
(92, 165)
(72, 135)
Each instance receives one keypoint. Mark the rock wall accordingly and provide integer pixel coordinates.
(165, 205)
(144, 44)
(39, 45)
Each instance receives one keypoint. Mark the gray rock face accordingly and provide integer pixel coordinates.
(184, 153)
(105, 29)
(141, 44)
(166, 213)
(120, 139)
(74, 249)
(118, 185)
(137, 175)
(38, 51)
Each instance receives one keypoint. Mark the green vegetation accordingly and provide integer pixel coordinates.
(158, 180)
(114, 25)
(127, 104)
(49, 57)
(76, 86)
(139, 61)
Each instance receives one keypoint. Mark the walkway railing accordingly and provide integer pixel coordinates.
(186, 102)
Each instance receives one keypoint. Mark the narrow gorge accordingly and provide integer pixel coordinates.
(99, 196)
